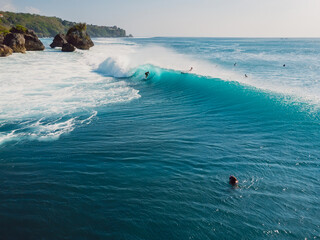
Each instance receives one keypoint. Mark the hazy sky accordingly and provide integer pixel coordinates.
(198, 18)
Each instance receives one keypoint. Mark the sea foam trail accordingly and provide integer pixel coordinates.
(46, 94)
(121, 58)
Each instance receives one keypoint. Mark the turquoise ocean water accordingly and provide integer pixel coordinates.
(90, 149)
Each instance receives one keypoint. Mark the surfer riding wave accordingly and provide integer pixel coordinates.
(189, 71)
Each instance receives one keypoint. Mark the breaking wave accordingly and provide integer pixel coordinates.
(44, 95)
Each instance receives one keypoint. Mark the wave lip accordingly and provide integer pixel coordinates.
(112, 67)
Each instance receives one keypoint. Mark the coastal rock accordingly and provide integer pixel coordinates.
(67, 47)
(32, 42)
(58, 40)
(78, 37)
(5, 50)
(1, 38)
(16, 42)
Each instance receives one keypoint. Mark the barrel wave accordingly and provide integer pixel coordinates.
(105, 153)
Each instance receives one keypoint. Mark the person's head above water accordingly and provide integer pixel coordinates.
(233, 180)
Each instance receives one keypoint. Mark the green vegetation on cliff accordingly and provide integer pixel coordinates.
(50, 26)
(79, 27)
(3, 30)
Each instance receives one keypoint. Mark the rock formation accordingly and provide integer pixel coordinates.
(5, 50)
(58, 40)
(21, 39)
(1, 38)
(32, 41)
(16, 42)
(67, 47)
(78, 37)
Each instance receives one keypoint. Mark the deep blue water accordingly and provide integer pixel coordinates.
(156, 165)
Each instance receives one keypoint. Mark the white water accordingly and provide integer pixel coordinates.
(46, 94)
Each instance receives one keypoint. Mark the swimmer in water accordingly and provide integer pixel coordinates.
(233, 180)
(246, 75)
(235, 64)
(284, 65)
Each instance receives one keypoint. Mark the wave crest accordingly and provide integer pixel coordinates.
(115, 67)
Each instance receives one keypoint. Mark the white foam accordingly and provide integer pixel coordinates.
(46, 94)
(115, 67)
(120, 59)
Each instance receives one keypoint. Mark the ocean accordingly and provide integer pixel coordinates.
(91, 149)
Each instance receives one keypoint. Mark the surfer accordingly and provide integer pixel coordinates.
(246, 75)
(147, 74)
(235, 64)
(233, 180)
(190, 70)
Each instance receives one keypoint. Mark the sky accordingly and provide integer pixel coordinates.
(189, 18)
